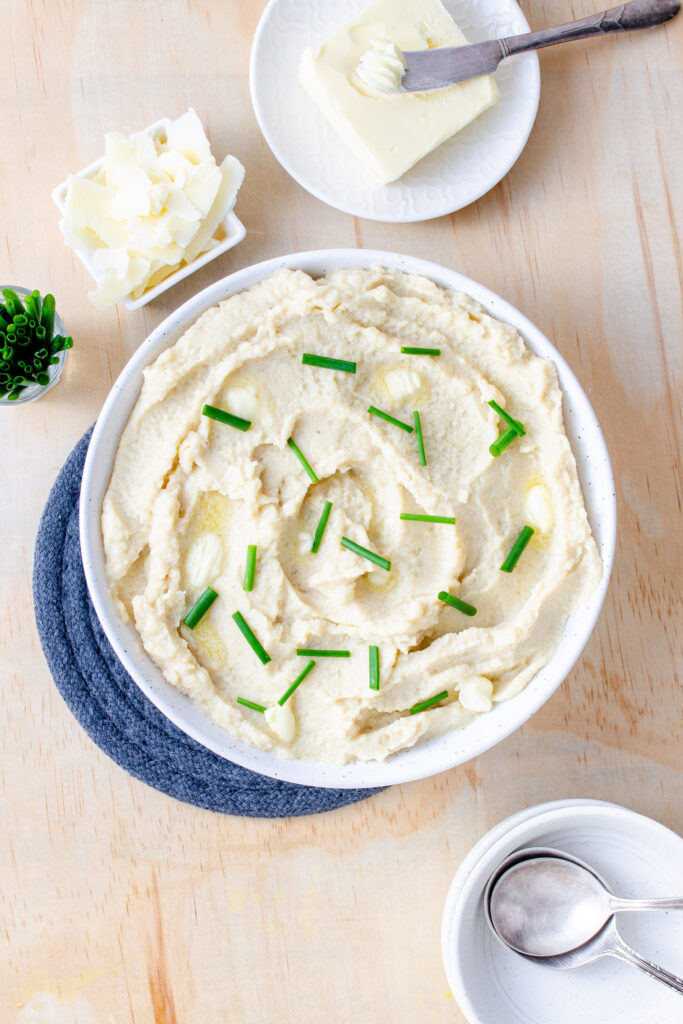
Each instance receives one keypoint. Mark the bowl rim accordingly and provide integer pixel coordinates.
(434, 755)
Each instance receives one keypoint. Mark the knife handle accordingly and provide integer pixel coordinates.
(624, 18)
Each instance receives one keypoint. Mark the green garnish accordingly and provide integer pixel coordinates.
(226, 417)
(200, 607)
(302, 459)
(374, 667)
(417, 350)
(314, 652)
(514, 424)
(327, 363)
(320, 528)
(249, 635)
(450, 520)
(424, 704)
(390, 419)
(517, 548)
(351, 545)
(250, 704)
(28, 346)
(455, 602)
(250, 568)
(420, 441)
(299, 679)
(505, 439)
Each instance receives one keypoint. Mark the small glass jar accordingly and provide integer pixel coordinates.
(32, 392)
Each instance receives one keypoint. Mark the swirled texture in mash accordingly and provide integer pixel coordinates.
(188, 494)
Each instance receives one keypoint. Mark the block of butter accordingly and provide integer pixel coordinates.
(390, 131)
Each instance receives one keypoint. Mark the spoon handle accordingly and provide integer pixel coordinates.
(670, 903)
(625, 953)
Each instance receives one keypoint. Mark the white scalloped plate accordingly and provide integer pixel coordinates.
(454, 175)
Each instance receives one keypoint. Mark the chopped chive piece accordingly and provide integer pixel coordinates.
(374, 667)
(424, 704)
(250, 704)
(514, 424)
(302, 459)
(200, 607)
(390, 419)
(417, 350)
(450, 520)
(299, 679)
(250, 568)
(249, 635)
(327, 363)
(455, 602)
(314, 652)
(351, 545)
(320, 528)
(420, 441)
(517, 548)
(505, 439)
(226, 417)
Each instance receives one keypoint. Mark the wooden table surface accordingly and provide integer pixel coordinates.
(120, 904)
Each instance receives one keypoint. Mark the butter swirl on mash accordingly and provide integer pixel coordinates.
(188, 494)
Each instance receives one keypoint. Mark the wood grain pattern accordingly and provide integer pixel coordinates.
(120, 905)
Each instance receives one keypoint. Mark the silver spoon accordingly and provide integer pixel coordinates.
(555, 910)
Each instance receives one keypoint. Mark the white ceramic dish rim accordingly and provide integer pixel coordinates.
(232, 226)
(426, 758)
(442, 209)
(499, 842)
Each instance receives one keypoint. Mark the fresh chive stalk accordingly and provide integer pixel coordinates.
(374, 667)
(221, 416)
(455, 602)
(374, 411)
(415, 518)
(513, 424)
(200, 607)
(327, 363)
(424, 704)
(250, 704)
(501, 443)
(27, 345)
(302, 459)
(249, 635)
(320, 528)
(418, 350)
(250, 568)
(315, 652)
(517, 549)
(297, 682)
(351, 545)
(420, 440)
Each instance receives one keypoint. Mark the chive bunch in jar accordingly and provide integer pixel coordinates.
(33, 345)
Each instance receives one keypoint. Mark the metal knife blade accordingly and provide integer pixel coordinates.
(447, 65)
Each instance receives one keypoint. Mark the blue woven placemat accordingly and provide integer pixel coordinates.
(112, 709)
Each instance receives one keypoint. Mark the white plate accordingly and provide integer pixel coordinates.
(455, 174)
(637, 857)
(426, 758)
(229, 232)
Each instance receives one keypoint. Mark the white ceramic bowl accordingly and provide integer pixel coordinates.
(636, 856)
(426, 758)
(230, 231)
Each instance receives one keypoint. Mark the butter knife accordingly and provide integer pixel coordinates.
(447, 65)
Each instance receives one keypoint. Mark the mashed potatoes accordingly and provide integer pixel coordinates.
(188, 495)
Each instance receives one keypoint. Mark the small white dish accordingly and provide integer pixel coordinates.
(637, 856)
(426, 758)
(452, 176)
(230, 231)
